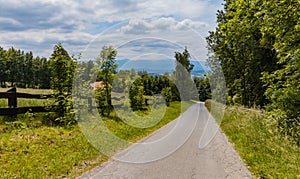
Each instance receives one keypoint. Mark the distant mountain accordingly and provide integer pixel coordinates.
(159, 67)
(200, 68)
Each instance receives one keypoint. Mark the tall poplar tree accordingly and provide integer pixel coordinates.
(106, 62)
(62, 69)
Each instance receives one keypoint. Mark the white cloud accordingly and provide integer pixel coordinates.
(42, 42)
(43, 36)
(191, 24)
(40, 23)
(160, 36)
(182, 9)
(136, 26)
(144, 26)
(9, 21)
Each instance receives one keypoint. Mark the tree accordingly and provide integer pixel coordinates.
(182, 76)
(235, 44)
(167, 94)
(62, 69)
(203, 88)
(183, 59)
(23, 69)
(136, 94)
(282, 28)
(28, 70)
(257, 45)
(12, 65)
(3, 67)
(107, 64)
(42, 72)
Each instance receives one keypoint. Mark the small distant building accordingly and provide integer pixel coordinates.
(97, 85)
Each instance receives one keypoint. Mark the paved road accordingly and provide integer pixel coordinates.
(205, 154)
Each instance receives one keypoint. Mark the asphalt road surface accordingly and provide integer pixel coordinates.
(192, 146)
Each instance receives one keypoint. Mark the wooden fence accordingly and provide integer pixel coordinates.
(12, 95)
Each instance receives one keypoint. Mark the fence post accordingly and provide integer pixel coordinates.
(12, 101)
(90, 104)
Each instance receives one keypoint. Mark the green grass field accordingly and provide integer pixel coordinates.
(27, 102)
(46, 152)
(31, 149)
(267, 153)
(29, 90)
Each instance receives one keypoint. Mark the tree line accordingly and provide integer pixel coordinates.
(21, 69)
(257, 45)
(139, 85)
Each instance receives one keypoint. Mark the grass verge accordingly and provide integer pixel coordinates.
(55, 152)
(265, 151)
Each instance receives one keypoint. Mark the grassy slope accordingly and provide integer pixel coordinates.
(53, 152)
(263, 149)
(46, 152)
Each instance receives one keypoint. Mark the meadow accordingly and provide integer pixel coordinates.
(31, 148)
(266, 152)
(27, 102)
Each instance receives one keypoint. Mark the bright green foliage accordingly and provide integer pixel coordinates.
(136, 94)
(167, 94)
(257, 45)
(62, 69)
(139, 85)
(101, 101)
(107, 67)
(282, 24)
(236, 46)
(123, 80)
(46, 152)
(106, 60)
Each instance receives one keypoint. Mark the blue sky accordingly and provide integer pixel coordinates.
(135, 27)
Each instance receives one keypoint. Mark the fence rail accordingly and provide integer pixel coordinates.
(24, 95)
(21, 110)
(12, 95)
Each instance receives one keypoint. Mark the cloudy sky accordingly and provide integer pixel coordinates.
(137, 28)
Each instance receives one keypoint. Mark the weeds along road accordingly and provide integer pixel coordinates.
(211, 157)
